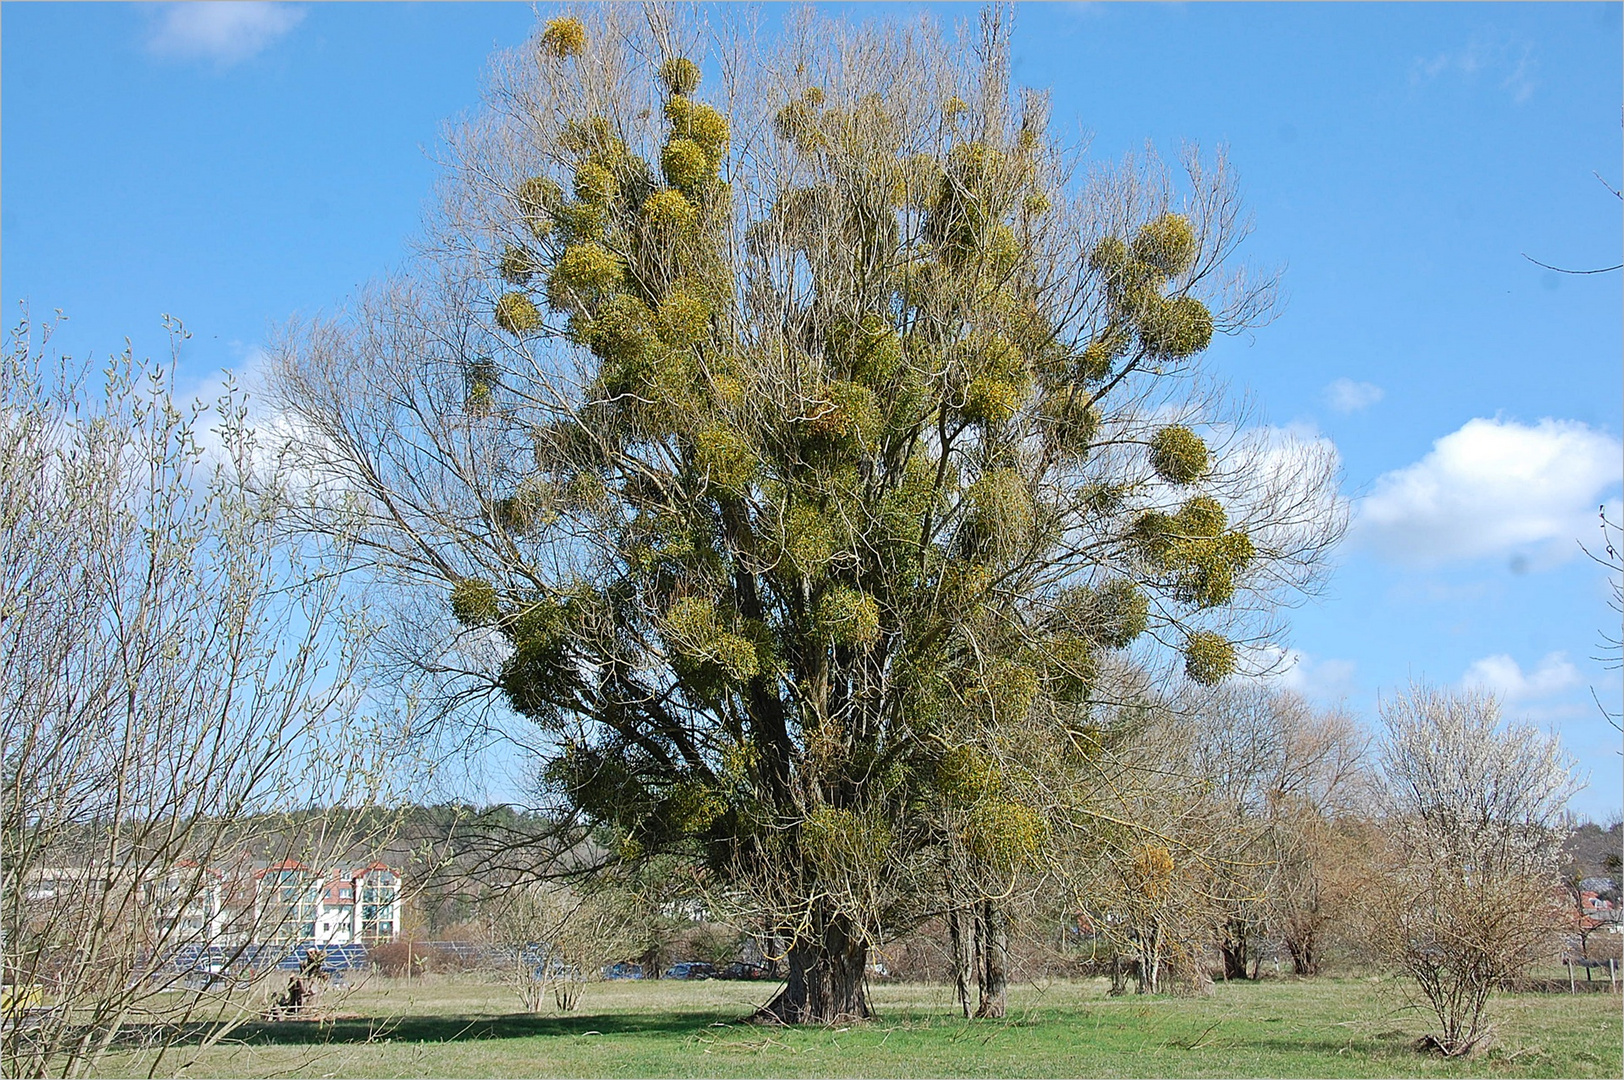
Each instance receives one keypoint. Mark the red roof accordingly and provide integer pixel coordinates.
(285, 864)
(192, 864)
(331, 891)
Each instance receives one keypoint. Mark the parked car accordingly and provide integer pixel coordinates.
(554, 969)
(623, 970)
(691, 969)
(205, 976)
(739, 969)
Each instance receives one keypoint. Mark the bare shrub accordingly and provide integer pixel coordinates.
(554, 938)
(177, 704)
(1469, 888)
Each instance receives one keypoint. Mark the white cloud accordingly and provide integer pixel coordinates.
(1512, 60)
(1493, 488)
(1346, 396)
(246, 383)
(1521, 81)
(220, 31)
(1322, 680)
(1326, 681)
(1465, 61)
(248, 373)
(1504, 676)
(1282, 484)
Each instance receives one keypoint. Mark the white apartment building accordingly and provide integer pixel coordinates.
(183, 904)
(285, 903)
(340, 907)
(187, 904)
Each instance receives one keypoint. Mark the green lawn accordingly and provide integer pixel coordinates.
(1279, 1027)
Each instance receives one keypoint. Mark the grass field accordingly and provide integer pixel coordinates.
(457, 1027)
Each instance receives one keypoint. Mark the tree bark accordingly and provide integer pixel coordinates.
(1233, 948)
(962, 937)
(1150, 967)
(827, 976)
(992, 942)
(1304, 956)
(1121, 968)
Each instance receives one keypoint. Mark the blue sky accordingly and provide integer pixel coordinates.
(237, 167)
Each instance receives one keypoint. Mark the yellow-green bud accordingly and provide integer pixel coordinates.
(1069, 421)
(473, 602)
(847, 616)
(585, 266)
(1202, 516)
(726, 458)
(708, 128)
(684, 163)
(1178, 327)
(670, 210)
(536, 198)
(1166, 244)
(517, 265)
(595, 184)
(808, 543)
(998, 512)
(1006, 834)
(684, 319)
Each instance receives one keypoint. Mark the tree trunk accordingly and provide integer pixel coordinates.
(827, 976)
(1121, 968)
(1308, 964)
(962, 938)
(1233, 949)
(1304, 957)
(992, 942)
(1150, 966)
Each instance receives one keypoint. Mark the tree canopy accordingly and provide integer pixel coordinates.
(800, 458)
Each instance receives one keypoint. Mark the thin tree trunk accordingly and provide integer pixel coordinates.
(1152, 964)
(961, 935)
(992, 941)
